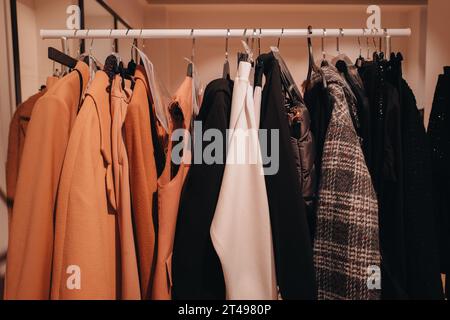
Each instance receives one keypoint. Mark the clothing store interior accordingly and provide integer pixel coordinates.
(121, 168)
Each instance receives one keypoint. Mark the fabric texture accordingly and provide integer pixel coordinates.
(170, 186)
(143, 178)
(347, 238)
(197, 272)
(241, 230)
(290, 233)
(29, 263)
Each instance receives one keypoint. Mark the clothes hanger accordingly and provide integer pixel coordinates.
(376, 57)
(341, 56)
(131, 67)
(226, 65)
(192, 73)
(279, 38)
(381, 53)
(360, 59)
(259, 66)
(244, 56)
(190, 68)
(312, 65)
(160, 96)
(61, 58)
(289, 85)
(324, 60)
(112, 62)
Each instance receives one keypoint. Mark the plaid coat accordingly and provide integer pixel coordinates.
(347, 238)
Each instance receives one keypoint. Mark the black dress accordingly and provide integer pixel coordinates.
(292, 244)
(196, 269)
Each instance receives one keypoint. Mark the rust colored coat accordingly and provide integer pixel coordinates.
(143, 177)
(29, 262)
(170, 185)
(17, 133)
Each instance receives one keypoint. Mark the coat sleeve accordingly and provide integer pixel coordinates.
(31, 234)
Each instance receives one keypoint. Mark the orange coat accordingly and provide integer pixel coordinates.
(16, 141)
(170, 185)
(93, 257)
(143, 177)
(28, 270)
(128, 272)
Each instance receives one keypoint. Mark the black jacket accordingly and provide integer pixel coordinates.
(439, 134)
(196, 269)
(292, 244)
(387, 176)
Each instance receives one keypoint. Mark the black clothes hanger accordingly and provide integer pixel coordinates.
(312, 64)
(226, 66)
(360, 60)
(190, 70)
(61, 58)
(111, 67)
(190, 67)
(64, 59)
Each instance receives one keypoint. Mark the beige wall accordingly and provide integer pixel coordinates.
(437, 48)
(132, 11)
(28, 43)
(168, 54)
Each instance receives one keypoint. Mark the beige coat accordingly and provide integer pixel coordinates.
(93, 256)
(29, 262)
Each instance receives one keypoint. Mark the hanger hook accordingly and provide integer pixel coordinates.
(244, 36)
(226, 44)
(91, 45)
(359, 44)
(259, 42)
(338, 45)
(253, 39)
(374, 31)
(279, 38)
(193, 46)
(113, 42)
(323, 43)
(79, 43)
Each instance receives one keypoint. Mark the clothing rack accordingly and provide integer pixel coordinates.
(220, 33)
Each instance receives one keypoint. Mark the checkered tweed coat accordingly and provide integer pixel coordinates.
(347, 238)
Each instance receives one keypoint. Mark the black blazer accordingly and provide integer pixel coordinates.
(292, 244)
(196, 269)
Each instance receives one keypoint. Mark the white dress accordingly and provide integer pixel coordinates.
(241, 231)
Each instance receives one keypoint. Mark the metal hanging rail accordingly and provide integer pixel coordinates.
(220, 33)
